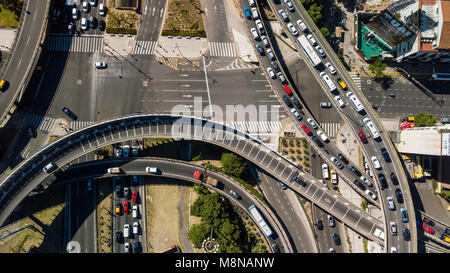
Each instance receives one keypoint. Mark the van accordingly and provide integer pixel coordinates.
(135, 212)
(3, 85)
(135, 228)
(49, 167)
(252, 3)
(151, 169)
(445, 120)
(114, 170)
(101, 9)
(126, 231)
(254, 34)
(255, 14)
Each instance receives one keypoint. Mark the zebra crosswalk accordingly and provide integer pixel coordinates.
(236, 64)
(330, 129)
(219, 49)
(356, 78)
(66, 43)
(39, 122)
(144, 47)
(80, 124)
(257, 126)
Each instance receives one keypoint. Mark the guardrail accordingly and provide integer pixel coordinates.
(22, 86)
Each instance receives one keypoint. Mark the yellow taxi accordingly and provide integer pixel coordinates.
(3, 85)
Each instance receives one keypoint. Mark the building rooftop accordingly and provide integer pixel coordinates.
(444, 42)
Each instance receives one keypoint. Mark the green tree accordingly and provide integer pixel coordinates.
(232, 249)
(325, 32)
(200, 189)
(198, 233)
(230, 230)
(258, 249)
(424, 120)
(233, 165)
(378, 68)
(315, 12)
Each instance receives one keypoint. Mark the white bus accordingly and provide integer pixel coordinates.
(355, 102)
(328, 81)
(260, 221)
(371, 127)
(309, 51)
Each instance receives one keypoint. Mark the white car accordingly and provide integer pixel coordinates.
(271, 73)
(371, 194)
(311, 39)
(255, 14)
(339, 101)
(393, 249)
(265, 41)
(292, 29)
(93, 3)
(366, 181)
(391, 203)
(322, 135)
(330, 68)
(255, 34)
(101, 9)
(313, 124)
(325, 172)
(321, 52)
(283, 15)
(100, 65)
(375, 162)
(135, 228)
(74, 13)
(289, 5)
(302, 26)
(126, 247)
(393, 226)
(259, 25)
(118, 153)
(126, 231)
(135, 212)
(84, 24)
(296, 114)
(85, 6)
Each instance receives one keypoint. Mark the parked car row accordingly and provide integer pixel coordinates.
(87, 22)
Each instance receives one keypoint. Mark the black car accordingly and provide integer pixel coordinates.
(316, 140)
(336, 239)
(101, 25)
(298, 180)
(31, 132)
(69, 113)
(136, 246)
(382, 180)
(287, 100)
(92, 22)
(394, 179)
(406, 234)
(283, 186)
(319, 224)
(275, 248)
(297, 103)
(399, 195)
(275, 66)
(118, 236)
(355, 170)
(118, 190)
(341, 157)
(360, 185)
(385, 154)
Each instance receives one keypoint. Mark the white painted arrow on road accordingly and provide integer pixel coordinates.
(161, 14)
(153, 13)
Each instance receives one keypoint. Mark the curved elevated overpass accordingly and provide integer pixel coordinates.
(62, 151)
(179, 170)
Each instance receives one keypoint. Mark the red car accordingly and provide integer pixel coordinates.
(134, 197)
(306, 129)
(288, 91)
(197, 175)
(126, 207)
(428, 229)
(362, 136)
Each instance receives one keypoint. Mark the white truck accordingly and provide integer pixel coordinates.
(379, 233)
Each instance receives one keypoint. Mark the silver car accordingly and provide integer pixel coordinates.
(283, 15)
(271, 73)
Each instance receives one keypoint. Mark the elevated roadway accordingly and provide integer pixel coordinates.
(29, 174)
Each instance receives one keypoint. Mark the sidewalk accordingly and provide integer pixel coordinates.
(237, 26)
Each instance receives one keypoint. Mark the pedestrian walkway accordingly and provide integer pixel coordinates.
(39, 122)
(236, 64)
(356, 78)
(80, 124)
(330, 129)
(65, 43)
(144, 47)
(257, 126)
(218, 49)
